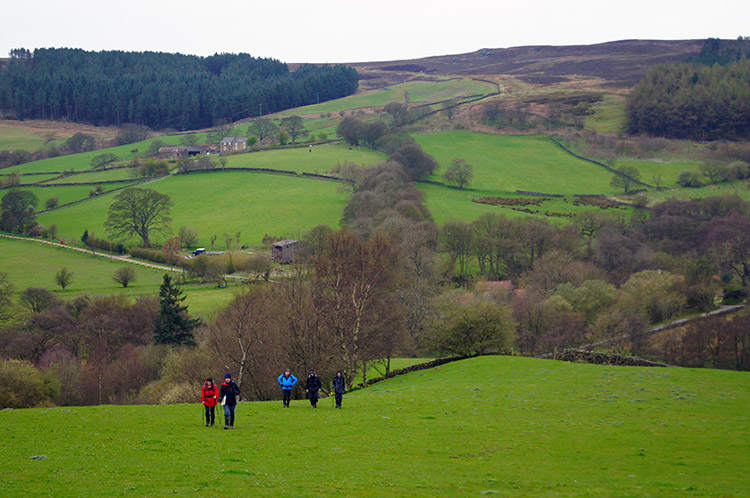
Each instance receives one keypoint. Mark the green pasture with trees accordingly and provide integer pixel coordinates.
(219, 202)
(319, 159)
(504, 162)
(491, 425)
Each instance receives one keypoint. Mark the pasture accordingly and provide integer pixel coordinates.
(92, 275)
(34, 134)
(509, 163)
(413, 92)
(494, 425)
(223, 202)
(319, 159)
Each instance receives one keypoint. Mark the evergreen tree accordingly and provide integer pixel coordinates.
(173, 326)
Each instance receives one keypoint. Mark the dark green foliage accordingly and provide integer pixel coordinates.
(690, 179)
(17, 210)
(717, 51)
(161, 90)
(415, 161)
(172, 323)
(102, 160)
(692, 101)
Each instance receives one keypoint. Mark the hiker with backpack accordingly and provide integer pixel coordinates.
(287, 381)
(312, 387)
(338, 386)
(209, 395)
(228, 395)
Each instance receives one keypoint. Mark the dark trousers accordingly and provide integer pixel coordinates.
(314, 398)
(287, 396)
(229, 414)
(210, 414)
(339, 398)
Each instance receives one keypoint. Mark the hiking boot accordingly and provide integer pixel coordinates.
(206, 424)
(226, 427)
(231, 427)
(212, 424)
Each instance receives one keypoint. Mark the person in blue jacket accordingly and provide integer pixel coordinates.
(287, 381)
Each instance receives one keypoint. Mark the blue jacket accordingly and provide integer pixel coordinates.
(287, 383)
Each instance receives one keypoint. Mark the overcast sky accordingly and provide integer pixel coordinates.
(357, 30)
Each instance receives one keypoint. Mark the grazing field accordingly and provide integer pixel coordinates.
(93, 275)
(491, 425)
(414, 92)
(224, 202)
(97, 176)
(504, 162)
(319, 159)
(449, 203)
(33, 134)
(667, 170)
(741, 189)
(68, 193)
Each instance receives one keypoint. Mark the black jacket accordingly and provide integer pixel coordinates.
(231, 391)
(313, 384)
(339, 384)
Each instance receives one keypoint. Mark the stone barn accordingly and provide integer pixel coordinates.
(284, 251)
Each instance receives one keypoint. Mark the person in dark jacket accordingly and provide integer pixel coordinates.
(287, 381)
(312, 387)
(209, 395)
(228, 395)
(338, 386)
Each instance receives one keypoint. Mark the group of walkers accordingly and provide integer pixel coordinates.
(229, 392)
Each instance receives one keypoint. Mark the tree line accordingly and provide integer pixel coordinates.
(161, 90)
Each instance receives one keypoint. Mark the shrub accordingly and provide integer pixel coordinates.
(690, 179)
(23, 385)
(124, 275)
(51, 203)
(475, 328)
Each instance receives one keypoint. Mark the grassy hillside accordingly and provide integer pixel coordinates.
(35, 134)
(414, 92)
(492, 425)
(224, 202)
(503, 162)
(319, 159)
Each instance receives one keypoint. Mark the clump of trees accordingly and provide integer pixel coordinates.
(18, 211)
(692, 101)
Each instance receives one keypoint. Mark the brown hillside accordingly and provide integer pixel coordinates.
(619, 63)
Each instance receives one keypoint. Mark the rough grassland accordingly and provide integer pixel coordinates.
(224, 202)
(494, 425)
(668, 170)
(503, 162)
(68, 193)
(609, 115)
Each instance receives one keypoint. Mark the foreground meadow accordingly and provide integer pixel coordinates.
(492, 425)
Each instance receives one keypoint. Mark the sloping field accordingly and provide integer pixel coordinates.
(319, 159)
(414, 92)
(509, 426)
(93, 275)
(224, 202)
(509, 163)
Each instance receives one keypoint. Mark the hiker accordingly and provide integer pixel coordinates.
(338, 386)
(228, 397)
(287, 381)
(209, 395)
(312, 388)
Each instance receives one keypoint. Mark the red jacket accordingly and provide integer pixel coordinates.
(209, 394)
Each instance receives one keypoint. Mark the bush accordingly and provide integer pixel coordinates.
(154, 255)
(103, 244)
(734, 294)
(23, 385)
(690, 179)
(51, 203)
(124, 275)
(478, 327)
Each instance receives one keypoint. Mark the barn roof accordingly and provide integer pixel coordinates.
(285, 243)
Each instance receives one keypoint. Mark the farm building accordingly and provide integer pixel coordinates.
(233, 144)
(283, 251)
(177, 152)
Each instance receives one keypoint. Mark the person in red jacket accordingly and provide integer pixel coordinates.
(209, 395)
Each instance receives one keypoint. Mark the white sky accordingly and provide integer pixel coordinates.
(357, 30)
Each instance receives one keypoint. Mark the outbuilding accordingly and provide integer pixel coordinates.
(284, 251)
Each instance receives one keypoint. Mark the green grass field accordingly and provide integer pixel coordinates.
(224, 202)
(506, 426)
(320, 160)
(67, 193)
(97, 176)
(93, 275)
(668, 170)
(417, 92)
(741, 189)
(508, 163)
